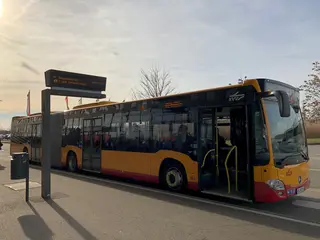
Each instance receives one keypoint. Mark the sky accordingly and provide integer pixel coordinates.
(203, 44)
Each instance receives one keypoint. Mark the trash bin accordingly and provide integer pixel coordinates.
(19, 165)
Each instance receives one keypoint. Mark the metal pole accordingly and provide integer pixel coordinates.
(26, 156)
(46, 150)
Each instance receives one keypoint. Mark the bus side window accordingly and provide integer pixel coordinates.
(115, 130)
(29, 129)
(183, 135)
(156, 118)
(133, 131)
(106, 137)
(145, 132)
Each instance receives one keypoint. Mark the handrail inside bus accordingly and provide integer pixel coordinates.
(226, 166)
(216, 153)
(205, 157)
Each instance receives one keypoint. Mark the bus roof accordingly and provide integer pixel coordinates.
(96, 104)
(34, 115)
(106, 103)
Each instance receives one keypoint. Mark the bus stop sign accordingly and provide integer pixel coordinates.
(62, 83)
(77, 81)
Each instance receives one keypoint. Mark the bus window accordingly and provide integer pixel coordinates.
(76, 123)
(70, 123)
(144, 131)
(162, 130)
(133, 134)
(80, 123)
(39, 130)
(183, 133)
(115, 129)
(87, 124)
(107, 120)
(106, 126)
(64, 128)
(29, 129)
(97, 122)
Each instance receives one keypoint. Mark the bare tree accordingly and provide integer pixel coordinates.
(311, 105)
(156, 83)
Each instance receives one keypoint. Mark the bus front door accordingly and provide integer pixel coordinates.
(91, 155)
(223, 138)
(207, 152)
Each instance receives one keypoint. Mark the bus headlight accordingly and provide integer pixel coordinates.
(276, 184)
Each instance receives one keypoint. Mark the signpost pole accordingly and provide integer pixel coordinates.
(26, 156)
(46, 150)
(62, 83)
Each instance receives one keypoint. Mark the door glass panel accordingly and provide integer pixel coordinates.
(92, 132)
(96, 148)
(87, 142)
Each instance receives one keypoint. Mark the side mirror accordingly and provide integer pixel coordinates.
(283, 102)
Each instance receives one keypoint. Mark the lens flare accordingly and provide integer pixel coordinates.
(1, 4)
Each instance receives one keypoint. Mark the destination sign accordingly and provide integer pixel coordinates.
(71, 80)
(174, 104)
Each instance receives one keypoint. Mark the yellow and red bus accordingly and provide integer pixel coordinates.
(245, 141)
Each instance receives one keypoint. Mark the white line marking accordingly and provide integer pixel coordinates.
(315, 169)
(314, 190)
(211, 202)
(308, 204)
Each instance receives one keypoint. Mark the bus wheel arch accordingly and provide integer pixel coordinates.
(72, 164)
(172, 175)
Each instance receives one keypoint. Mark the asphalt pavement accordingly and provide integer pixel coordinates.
(84, 207)
(314, 153)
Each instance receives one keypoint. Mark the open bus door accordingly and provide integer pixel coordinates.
(224, 152)
(91, 150)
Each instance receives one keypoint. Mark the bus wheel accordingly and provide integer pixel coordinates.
(174, 177)
(72, 162)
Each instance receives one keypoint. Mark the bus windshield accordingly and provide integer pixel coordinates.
(287, 135)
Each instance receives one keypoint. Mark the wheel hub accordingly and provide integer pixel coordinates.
(174, 178)
(71, 164)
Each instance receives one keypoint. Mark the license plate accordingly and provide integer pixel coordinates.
(300, 190)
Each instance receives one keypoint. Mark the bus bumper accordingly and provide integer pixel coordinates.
(264, 193)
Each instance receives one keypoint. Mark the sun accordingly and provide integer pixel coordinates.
(1, 8)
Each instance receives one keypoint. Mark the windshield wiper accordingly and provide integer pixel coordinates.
(304, 155)
(290, 159)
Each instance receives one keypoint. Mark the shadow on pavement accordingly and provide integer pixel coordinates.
(2, 167)
(71, 221)
(289, 226)
(34, 226)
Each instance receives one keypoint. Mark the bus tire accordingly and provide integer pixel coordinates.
(173, 176)
(72, 165)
